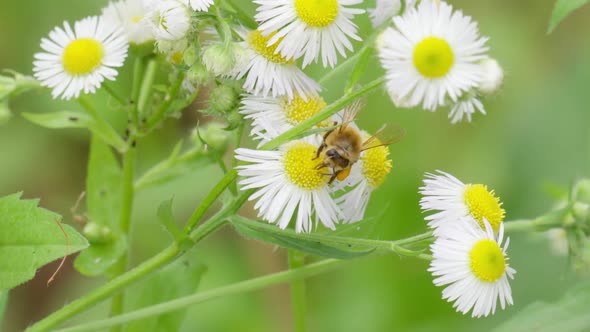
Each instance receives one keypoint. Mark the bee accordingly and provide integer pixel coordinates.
(343, 144)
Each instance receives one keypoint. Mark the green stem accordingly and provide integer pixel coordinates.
(162, 111)
(210, 199)
(327, 112)
(145, 91)
(129, 159)
(102, 125)
(114, 93)
(244, 17)
(233, 289)
(138, 70)
(296, 261)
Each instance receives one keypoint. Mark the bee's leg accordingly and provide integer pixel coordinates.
(320, 149)
(322, 165)
(334, 176)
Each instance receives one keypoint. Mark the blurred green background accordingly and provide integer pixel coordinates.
(535, 137)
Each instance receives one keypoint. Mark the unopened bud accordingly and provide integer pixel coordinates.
(581, 211)
(219, 59)
(234, 119)
(198, 74)
(493, 76)
(213, 135)
(97, 233)
(223, 99)
(582, 191)
(190, 55)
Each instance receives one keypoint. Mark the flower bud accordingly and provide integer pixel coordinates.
(234, 119)
(191, 56)
(213, 135)
(581, 211)
(219, 59)
(582, 191)
(198, 74)
(97, 234)
(223, 99)
(493, 76)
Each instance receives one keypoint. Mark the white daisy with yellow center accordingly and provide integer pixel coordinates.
(309, 28)
(198, 5)
(169, 19)
(386, 9)
(455, 201)
(473, 263)
(289, 186)
(273, 116)
(80, 59)
(367, 174)
(129, 14)
(431, 55)
(268, 73)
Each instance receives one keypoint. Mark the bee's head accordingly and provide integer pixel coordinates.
(337, 158)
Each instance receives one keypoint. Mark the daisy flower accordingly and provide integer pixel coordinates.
(454, 201)
(273, 116)
(474, 265)
(309, 28)
(168, 19)
(80, 59)
(129, 14)
(367, 174)
(465, 109)
(289, 186)
(432, 54)
(386, 9)
(270, 74)
(198, 5)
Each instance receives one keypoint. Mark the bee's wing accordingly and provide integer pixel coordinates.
(350, 112)
(386, 135)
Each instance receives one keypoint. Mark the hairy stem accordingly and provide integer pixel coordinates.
(296, 261)
(162, 111)
(129, 158)
(233, 289)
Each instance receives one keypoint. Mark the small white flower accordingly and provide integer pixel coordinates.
(309, 28)
(431, 55)
(169, 20)
(273, 116)
(493, 76)
(386, 9)
(289, 185)
(455, 201)
(198, 5)
(129, 14)
(474, 265)
(366, 175)
(80, 59)
(465, 109)
(270, 74)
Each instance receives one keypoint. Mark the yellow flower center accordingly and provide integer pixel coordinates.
(317, 13)
(259, 43)
(176, 58)
(487, 260)
(482, 203)
(136, 19)
(82, 56)
(376, 165)
(433, 57)
(299, 109)
(300, 166)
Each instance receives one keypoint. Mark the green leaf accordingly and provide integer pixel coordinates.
(97, 259)
(167, 219)
(561, 10)
(103, 199)
(173, 167)
(570, 313)
(178, 279)
(71, 119)
(30, 238)
(313, 244)
(359, 69)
